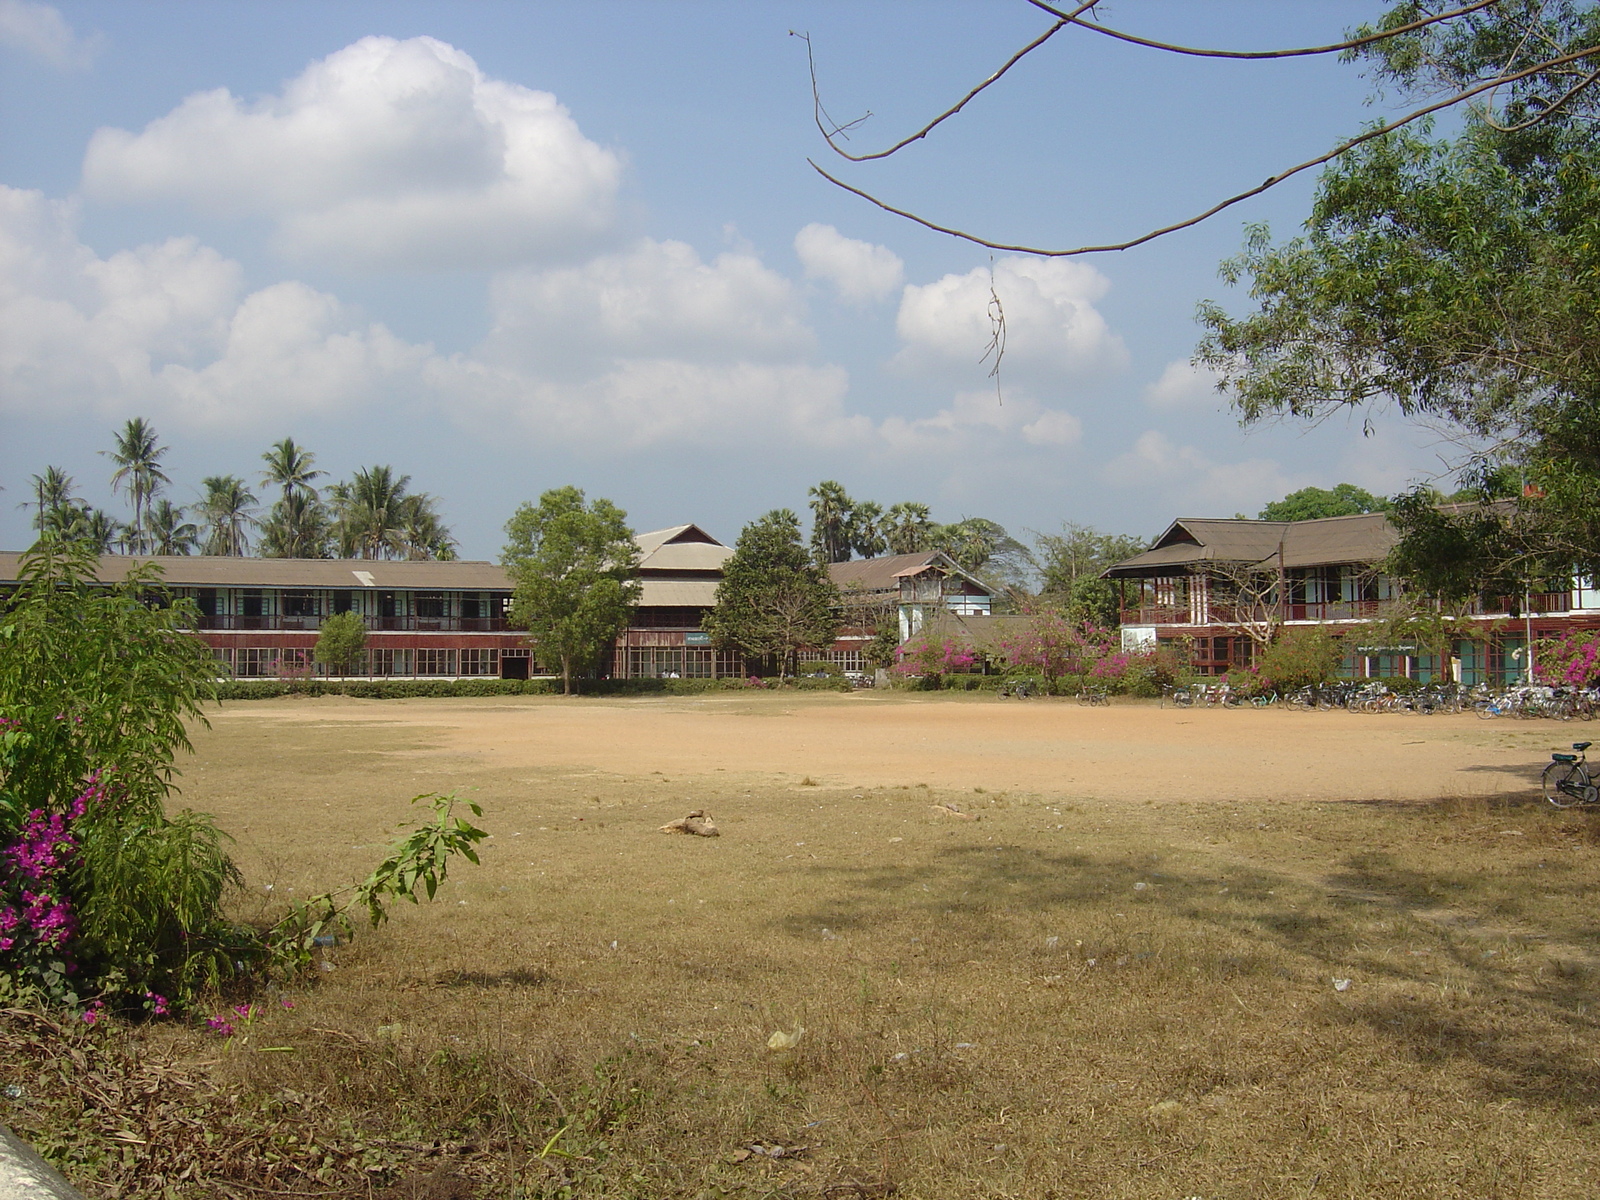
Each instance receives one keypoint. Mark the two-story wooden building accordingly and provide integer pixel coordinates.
(1214, 586)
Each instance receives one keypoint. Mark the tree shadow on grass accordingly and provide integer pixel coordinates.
(1316, 924)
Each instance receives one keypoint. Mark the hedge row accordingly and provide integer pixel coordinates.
(401, 689)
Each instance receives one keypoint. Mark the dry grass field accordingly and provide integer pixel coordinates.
(1036, 951)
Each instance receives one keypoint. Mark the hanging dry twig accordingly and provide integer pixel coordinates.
(997, 335)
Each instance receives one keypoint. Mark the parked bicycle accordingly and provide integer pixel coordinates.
(1094, 697)
(1567, 782)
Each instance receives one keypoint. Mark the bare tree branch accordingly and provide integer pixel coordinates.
(1072, 18)
(818, 112)
(1273, 181)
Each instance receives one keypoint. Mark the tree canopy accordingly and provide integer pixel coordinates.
(1313, 503)
(1455, 280)
(775, 599)
(576, 569)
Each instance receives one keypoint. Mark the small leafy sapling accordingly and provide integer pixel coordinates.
(418, 863)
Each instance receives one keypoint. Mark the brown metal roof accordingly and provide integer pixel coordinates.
(676, 593)
(334, 573)
(681, 548)
(884, 574)
(1365, 538)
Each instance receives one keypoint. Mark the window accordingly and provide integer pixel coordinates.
(256, 661)
(253, 603)
(436, 662)
(341, 602)
(224, 656)
(480, 662)
(472, 606)
(299, 604)
(431, 605)
(389, 662)
(206, 600)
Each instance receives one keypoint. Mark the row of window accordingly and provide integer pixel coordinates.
(272, 602)
(680, 662)
(272, 662)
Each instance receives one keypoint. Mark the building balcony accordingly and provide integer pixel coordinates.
(377, 624)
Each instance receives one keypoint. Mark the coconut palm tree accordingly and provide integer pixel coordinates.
(371, 513)
(289, 468)
(93, 528)
(228, 508)
(422, 531)
(52, 493)
(138, 473)
(169, 532)
(830, 521)
(297, 527)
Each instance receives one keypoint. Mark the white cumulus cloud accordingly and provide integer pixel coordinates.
(860, 271)
(1054, 334)
(654, 300)
(1184, 386)
(165, 330)
(41, 31)
(384, 154)
(1190, 477)
(974, 417)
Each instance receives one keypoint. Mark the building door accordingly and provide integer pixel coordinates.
(513, 668)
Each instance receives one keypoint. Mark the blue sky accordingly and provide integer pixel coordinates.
(507, 247)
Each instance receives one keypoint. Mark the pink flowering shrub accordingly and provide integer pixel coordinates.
(1053, 646)
(37, 921)
(1572, 660)
(942, 655)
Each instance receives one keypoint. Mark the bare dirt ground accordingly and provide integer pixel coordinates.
(1131, 751)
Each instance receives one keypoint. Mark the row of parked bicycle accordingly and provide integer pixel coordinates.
(1529, 701)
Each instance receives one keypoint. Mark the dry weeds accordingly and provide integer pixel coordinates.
(1060, 996)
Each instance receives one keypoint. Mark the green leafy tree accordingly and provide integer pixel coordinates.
(775, 599)
(341, 642)
(1455, 280)
(1313, 503)
(298, 526)
(576, 566)
(1079, 552)
(1301, 657)
(98, 691)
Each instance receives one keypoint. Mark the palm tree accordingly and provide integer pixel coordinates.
(52, 493)
(371, 513)
(830, 521)
(289, 467)
(866, 529)
(138, 473)
(908, 527)
(90, 526)
(422, 532)
(229, 510)
(169, 532)
(297, 527)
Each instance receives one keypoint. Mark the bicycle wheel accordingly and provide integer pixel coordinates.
(1566, 785)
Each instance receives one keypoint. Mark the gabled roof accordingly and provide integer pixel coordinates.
(884, 574)
(982, 633)
(1329, 541)
(334, 573)
(681, 548)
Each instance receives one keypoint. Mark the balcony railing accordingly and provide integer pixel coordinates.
(383, 624)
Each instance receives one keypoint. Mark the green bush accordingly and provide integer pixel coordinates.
(1300, 658)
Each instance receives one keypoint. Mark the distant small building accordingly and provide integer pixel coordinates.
(905, 589)
(1204, 581)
